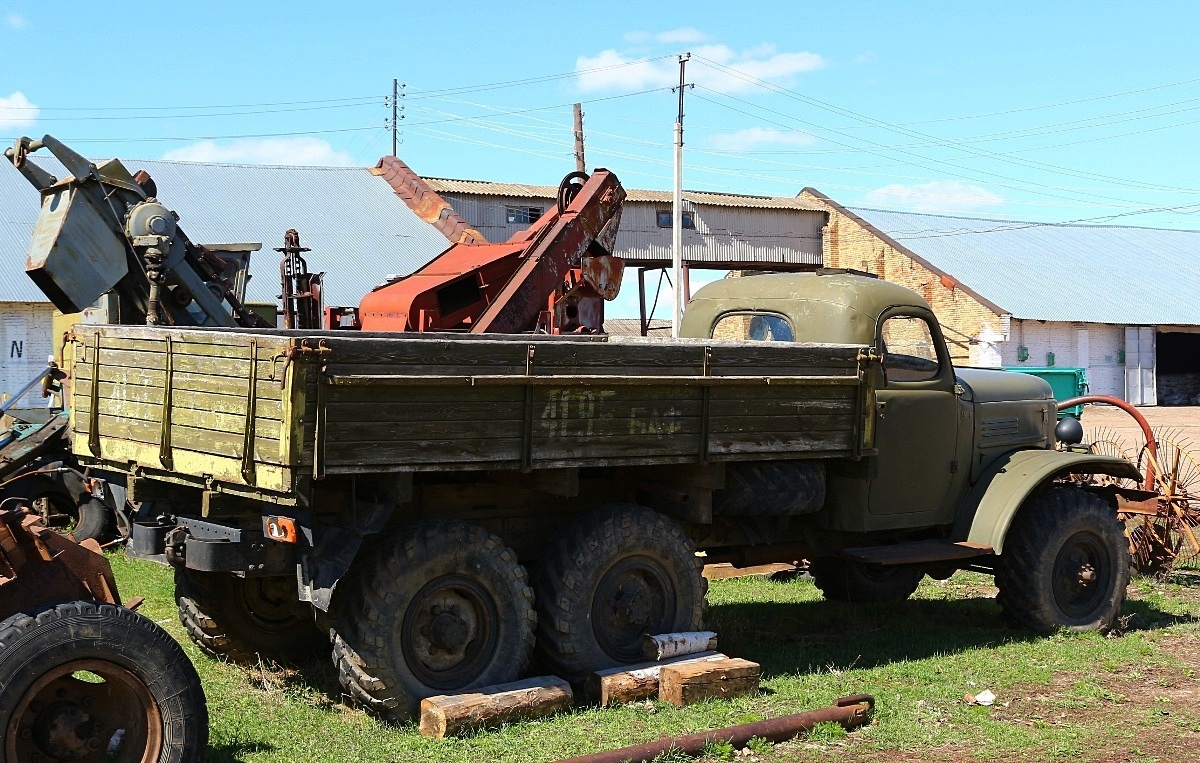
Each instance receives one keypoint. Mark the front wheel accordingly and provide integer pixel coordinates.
(1065, 563)
(90, 681)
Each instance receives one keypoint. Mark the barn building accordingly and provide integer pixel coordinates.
(1120, 302)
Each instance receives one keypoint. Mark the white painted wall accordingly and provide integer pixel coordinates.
(1094, 346)
(26, 341)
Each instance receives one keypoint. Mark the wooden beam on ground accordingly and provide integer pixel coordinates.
(490, 706)
(630, 683)
(683, 684)
(665, 645)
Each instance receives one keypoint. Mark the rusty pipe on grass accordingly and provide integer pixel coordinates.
(851, 712)
(1117, 402)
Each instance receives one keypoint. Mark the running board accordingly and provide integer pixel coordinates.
(918, 552)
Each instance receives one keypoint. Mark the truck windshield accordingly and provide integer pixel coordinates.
(756, 327)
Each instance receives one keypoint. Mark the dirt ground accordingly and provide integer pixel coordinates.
(1178, 423)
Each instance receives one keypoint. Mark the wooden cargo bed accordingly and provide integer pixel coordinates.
(259, 408)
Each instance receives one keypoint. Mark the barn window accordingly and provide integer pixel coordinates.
(664, 219)
(523, 215)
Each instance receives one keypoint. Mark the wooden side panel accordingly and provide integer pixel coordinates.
(496, 404)
(199, 381)
(362, 403)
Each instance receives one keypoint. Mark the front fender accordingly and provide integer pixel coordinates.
(989, 508)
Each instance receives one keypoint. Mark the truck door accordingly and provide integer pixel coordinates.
(916, 426)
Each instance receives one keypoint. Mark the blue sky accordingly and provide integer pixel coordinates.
(1035, 111)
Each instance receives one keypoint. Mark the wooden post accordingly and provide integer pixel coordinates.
(685, 683)
(448, 714)
(630, 683)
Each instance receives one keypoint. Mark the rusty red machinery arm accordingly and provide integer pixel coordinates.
(851, 712)
(1151, 445)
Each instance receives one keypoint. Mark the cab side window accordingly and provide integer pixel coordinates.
(909, 353)
(755, 327)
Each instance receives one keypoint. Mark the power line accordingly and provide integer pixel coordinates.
(912, 133)
(221, 137)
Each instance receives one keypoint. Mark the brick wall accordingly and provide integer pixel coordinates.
(848, 244)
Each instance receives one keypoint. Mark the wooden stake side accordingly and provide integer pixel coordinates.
(490, 706)
(683, 684)
(630, 683)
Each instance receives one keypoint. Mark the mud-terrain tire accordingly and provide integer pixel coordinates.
(89, 518)
(771, 489)
(243, 619)
(436, 608)
(149, 688)
(610, 578)
(1065, 563)
(856, 582)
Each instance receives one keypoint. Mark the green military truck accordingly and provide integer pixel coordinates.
(438, 506)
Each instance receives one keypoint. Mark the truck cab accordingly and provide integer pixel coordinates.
(937, 428)
(964, 460)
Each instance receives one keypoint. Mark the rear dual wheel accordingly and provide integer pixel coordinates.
(242, 619)
(608, 580)
(437, 608)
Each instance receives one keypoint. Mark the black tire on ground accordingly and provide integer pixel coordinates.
(54, 707)
(243, 619)
(611, 578)
(436, 608)
(47, 495)
(855, 582)
(1065, 563)
(771, 488)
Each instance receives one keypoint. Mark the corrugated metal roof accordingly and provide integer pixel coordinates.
(358, 229)
(1076, 273)
(521, 190)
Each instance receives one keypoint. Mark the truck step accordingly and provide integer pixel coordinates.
(918, 552)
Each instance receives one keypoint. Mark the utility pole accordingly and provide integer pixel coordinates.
(395, 112)
(580, 164)
(677, 208)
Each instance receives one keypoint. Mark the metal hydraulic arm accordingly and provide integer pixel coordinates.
(101, 230)
(552, 277)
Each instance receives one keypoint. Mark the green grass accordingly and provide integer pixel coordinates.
(1058, 697)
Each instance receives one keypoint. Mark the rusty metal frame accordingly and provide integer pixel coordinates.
(850, 712)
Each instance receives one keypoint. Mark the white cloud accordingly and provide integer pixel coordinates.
(754, 137)
(311, 152)
(15, 21)
(17, 111)
(613, 70)
(683, 35)
(936, 196)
